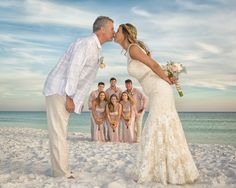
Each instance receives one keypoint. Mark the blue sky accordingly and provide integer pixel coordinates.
(200, 34)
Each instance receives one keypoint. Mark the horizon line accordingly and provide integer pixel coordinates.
(87, 111)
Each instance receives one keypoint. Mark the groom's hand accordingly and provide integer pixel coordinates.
(70, 106)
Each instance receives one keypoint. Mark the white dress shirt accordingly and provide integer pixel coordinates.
(110, 91)
(75, 71)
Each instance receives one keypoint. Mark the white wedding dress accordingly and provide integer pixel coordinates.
(163, 155)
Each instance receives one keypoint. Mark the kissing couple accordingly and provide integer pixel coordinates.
(163, 154)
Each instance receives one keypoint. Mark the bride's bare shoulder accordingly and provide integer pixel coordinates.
(135, 51)
(134, 47)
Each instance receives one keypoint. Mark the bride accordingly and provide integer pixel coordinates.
(163, 154)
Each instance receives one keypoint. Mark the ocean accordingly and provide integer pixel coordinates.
(199, 127)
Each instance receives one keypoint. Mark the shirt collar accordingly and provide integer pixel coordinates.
(130, 92)
(97, 41)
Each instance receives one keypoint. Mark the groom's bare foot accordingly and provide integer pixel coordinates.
(71, 177)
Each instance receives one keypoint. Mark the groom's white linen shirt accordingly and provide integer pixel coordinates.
(75, 71)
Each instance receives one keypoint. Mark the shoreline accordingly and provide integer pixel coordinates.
(87, 134)
(25, 162)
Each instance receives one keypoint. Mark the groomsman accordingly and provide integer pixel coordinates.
(93, 95)
(67, 85)
(141, 104)
(113, 89)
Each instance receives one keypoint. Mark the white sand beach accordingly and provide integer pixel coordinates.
(24, 162)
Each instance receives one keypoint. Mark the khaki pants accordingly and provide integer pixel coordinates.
(57, 130)
(138, 127)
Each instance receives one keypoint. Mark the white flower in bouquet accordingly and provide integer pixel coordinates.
(173, 69)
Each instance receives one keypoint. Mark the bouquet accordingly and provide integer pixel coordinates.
(174, 69)
(113, 124)
(127, 118)
(99, 122)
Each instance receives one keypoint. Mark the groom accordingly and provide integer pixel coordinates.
(66, 86)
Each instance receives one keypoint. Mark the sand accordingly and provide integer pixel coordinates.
(25, 162)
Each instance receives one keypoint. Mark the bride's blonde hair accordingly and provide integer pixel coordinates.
(130, 33)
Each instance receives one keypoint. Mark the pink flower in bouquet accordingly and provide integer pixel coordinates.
(174, 68)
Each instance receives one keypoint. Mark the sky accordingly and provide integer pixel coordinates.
(200, 34)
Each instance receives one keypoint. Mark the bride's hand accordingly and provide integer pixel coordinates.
(173, 80)
(168, 80)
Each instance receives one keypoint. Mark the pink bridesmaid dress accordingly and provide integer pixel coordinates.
(114, 133)
(99, 129)
(128, 126)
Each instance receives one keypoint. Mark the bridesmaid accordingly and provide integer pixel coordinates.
(113, 111)
(127, 118)
(99, 116)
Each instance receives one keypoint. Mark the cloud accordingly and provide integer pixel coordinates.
(140, 12)
(28, 37)
(195, 37)
(213, 84)
(193, 6)
(208, 47)
(20, 82)
(46, 12)
(35, 34)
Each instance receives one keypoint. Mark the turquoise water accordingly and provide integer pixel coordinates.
(199, 127)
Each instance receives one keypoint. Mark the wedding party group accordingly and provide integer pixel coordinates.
(163, 154)
(116, 115)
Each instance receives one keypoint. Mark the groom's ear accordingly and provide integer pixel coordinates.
(103, 30)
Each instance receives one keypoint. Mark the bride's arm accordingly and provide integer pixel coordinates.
(137, 54)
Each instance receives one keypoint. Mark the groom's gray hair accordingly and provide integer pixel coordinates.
(101, 21)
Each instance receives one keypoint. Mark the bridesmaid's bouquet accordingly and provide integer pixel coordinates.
(113, 124)
(127, 118)
(174, 69)
(99, 123)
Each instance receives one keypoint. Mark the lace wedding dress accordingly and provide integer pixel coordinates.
(163, 154)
